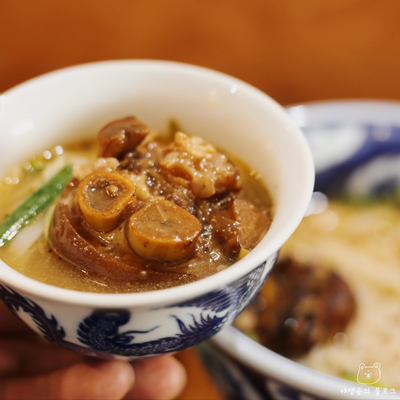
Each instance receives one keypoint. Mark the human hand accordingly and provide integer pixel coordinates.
(31, 368)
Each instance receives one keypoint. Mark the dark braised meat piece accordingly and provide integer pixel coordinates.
(121, 136)
(132, 162)
(227, 232)
(144, 158)
(238, 224)
(306, 305)
(183, 198)
(253, 223)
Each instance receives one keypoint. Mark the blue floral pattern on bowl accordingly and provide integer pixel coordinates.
(120, 333)
(371, 166)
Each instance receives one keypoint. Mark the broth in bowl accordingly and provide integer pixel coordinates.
(142, 211)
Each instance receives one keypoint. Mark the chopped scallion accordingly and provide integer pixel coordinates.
(34, 205)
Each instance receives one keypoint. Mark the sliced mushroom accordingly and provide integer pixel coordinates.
(102, 198)
(163, 231)
(121, 136)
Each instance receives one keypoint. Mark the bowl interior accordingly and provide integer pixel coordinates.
(76, 102)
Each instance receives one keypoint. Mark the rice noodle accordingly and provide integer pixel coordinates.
(364, 248)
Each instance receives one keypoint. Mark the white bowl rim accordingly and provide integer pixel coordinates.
(252, 353)
(175, 294)
(265, 361)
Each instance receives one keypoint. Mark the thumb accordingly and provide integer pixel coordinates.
(87, 380)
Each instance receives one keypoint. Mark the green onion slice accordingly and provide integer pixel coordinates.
(34, 205)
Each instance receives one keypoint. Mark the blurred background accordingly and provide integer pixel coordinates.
(295, 51)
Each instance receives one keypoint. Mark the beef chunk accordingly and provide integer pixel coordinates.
(121, 136)
(306, 305)
(253, 223)
(182, 198)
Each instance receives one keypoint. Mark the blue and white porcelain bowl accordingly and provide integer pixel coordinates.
(356, 149)
(75, 102)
